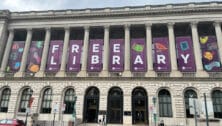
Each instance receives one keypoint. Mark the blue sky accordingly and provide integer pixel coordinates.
(27, 5)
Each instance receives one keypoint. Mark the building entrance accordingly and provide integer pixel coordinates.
(139, 106)
(91, 105)
(115, 106)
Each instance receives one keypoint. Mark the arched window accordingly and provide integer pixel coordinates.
(165, 105)
(46, 101)
(69, 101)
(189, 94)
(25, 97)
(217, 103)
(5, 100)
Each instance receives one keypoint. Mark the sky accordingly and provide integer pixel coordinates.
(36, 5)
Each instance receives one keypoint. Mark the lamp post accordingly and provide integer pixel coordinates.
(30, 91)
(74, 109)
(154, 113)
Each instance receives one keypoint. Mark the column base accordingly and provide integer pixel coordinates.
(175, 73)
(104, 74)
(40, 74)
(60, 74)
(19, 74)
(126, 74)
(82, 73)
(2, 74)
(151, 73)
(202, 73)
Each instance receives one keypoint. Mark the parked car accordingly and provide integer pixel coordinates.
(11, 122)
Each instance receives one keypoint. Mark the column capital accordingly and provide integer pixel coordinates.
(127, 26)
(148, 25)
(86, 27)
(29, 29)
(217, 23)
(106, 26)
(193, 24)
(67, 28)
(48, 28)
(170, 24)
(11, 29)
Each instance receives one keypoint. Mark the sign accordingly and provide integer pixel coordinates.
(95, 55)
(209, 108)
(54, 56)
(191, 106)
(35, 56)
(138, 58)
(15, 57)
(74, 60)
(56, 107)
(210, 56)
(161, 54)
(116, 55)
(63, 107)
(185, 54)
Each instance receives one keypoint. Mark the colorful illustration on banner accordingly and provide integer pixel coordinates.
(208, 55)
(212, 65)
(137, 47)
(35, 56)
(184, 45)
(203, 39)
(212, 46)
(160, 47)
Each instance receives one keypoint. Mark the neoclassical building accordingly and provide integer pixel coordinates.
(126, 66)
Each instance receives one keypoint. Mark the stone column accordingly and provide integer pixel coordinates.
(173, 57)
(28, 41)
(105, 72)
(7, 52)
(217, 26)
(3, 38)
(127, 72)
(82, 73)
(197, 52)
(41, 72)
(62, 72)
(149, 53)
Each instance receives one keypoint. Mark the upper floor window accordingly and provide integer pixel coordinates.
(25, 97)
(189, 94)
(165, 105)
(69, 101)
(46, 101)
(217, 103)
(5, 100)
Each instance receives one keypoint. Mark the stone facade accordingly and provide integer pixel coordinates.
(175, 82)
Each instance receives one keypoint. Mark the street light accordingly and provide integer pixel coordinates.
(30, 91)
(74, 109)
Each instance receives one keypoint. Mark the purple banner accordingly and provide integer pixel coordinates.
(116, 55)
(210, 56)
(54, 56)
(75, 51)
(138, 58)
(161, 54)
(95, 55)
(15, 57)
(185, 54)
(34, 56)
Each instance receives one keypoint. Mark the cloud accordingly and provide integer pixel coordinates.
(27, 5)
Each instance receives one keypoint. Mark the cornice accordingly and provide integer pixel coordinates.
(121, 11)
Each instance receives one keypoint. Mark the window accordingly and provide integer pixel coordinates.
(217, 103)
(46, 101)
(5, 100)
(165, 105)
(189, 94)
(69, 101)
(26, 95)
